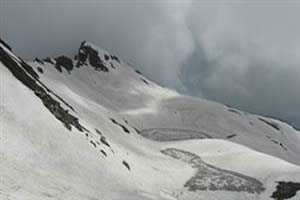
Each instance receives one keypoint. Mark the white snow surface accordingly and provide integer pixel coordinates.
(41, 159)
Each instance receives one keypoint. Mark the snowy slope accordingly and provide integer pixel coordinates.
(93, 127)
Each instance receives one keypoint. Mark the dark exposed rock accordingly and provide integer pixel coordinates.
(126, 164)
(97, 131)
(58, 97)
(104, 141)
(272, 124)
(68, 105)
(115, 58)
(114, 121)
(48, 60)
(230, 136)
(106, 57)
(29, 70)
(65, 62)
(93, 143)
(40, 70)
(121, 125)
(25, 73)
(137, 131)
(283, 146)
(5, 44)
(138, 72)
(82, 55)
(87, 52)
(39, 61)
(285, 190)
(145, 81)
(103, 152)
(94, 58)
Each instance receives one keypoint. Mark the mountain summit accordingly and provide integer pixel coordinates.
(94, 127)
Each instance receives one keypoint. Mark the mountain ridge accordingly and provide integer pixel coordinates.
(93, 131)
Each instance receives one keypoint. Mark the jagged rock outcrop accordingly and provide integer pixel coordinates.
(87, 53)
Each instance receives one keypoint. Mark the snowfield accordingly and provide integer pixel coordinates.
(94, 128)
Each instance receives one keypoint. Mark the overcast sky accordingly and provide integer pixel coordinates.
(235, 52)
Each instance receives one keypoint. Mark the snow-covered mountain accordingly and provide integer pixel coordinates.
(93, 127)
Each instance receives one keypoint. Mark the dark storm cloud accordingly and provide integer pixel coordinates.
(151, 34)
(246, 54)
(261, 89)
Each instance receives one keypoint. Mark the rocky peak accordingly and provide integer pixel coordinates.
(88, 53)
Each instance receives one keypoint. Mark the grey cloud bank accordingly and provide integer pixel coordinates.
(239, 53)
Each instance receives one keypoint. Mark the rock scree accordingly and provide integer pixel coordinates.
(285, 190)
(209, 177)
